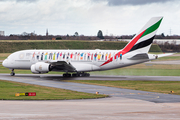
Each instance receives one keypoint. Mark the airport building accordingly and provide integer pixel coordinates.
(1, 33)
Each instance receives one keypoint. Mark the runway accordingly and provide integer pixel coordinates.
(56, 81)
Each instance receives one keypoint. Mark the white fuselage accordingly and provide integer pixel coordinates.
(81, 60)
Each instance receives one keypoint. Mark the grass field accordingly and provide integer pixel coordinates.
(8, 90)
(12, 46)
(172, 70)
(152, 86)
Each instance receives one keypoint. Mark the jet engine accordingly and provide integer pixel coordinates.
(40, 67)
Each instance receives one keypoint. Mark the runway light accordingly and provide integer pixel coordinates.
(26, 94)
(21, 94)
(172, 92)
(17, 94)
(32, 94)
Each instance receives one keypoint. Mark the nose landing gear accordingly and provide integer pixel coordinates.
(12, 72)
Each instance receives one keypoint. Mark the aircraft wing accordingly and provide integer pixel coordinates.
(165, 54)
(62, 66)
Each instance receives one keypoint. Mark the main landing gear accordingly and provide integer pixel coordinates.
(66, 75)
(12, 72)
(81, 74)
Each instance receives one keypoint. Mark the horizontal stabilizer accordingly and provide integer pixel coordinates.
(165, 54)
(139, 56)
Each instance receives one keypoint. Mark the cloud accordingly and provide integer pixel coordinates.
(26, 0)
(85, 16)
(19, 0)
(134, 2)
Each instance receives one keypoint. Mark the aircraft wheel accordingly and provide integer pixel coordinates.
(74, 75)
(64, 75)
(12, 73)
(88, 74)
(81, 75)
(68, 75)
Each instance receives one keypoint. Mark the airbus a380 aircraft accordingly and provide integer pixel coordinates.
(80, 61)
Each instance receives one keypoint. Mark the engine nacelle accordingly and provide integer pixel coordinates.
(40, 67)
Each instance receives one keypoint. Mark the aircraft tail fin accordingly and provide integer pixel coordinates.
(142, 41)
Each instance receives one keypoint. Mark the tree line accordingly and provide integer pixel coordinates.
(76, 36)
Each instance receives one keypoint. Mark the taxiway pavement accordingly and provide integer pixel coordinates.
(115, 108)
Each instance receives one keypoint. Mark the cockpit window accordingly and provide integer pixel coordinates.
(28, 54)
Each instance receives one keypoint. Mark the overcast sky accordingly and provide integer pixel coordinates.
(61, 17)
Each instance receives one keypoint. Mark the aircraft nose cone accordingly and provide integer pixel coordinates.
(4, 63)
